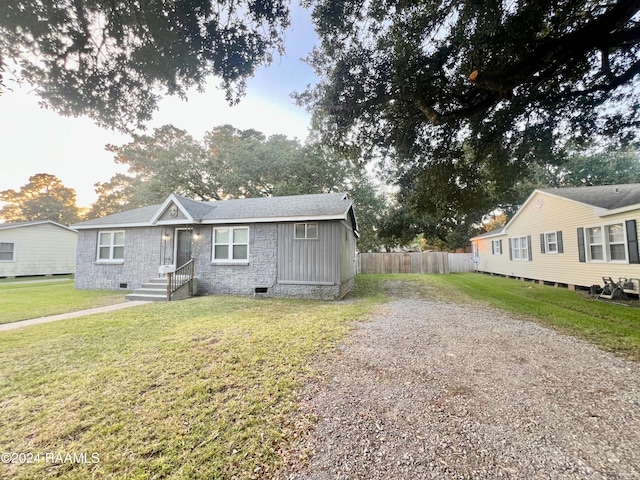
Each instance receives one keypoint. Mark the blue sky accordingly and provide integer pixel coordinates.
(35, 140)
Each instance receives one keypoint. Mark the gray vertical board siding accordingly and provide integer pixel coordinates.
(347, 253)
(310, 260)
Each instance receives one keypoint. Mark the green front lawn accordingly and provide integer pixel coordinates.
(205, 388)
(195, 389)
(21, 301)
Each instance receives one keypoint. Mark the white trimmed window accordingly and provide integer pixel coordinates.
(305, 231)
(616, 242)
(7, 252)
(606, 243)
(111, 246)
(595, 244)
(496, 247)
(551, 242)
(231, 244)
(519, 248)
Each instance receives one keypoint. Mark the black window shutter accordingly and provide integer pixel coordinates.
(529, 248)
(559, 240)
(632, 241)
(501, 252)
(510, 252)
(542, 243)
(582, 257)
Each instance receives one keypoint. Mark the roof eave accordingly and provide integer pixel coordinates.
(37, 222)
(604, 212)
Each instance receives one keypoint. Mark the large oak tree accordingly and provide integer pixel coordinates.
(232, 163)
(461, 98)
(112, 59)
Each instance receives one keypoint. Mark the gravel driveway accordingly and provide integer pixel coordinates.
(430, 389)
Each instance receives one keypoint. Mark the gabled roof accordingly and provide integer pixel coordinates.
(325, 206)
(7, 226)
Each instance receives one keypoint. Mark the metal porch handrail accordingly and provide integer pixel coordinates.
(179, 278)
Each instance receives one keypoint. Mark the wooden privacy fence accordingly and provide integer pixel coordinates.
(415, 262)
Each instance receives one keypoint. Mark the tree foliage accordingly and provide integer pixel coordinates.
(231, 163)
(111, 60)
(604, 167)
(43, 198)
(462, 98)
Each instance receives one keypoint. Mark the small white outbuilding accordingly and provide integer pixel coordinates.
(41, 247)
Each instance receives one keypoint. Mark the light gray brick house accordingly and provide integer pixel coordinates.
(295, 246)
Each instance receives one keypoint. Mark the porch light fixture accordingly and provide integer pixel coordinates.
(196, 232)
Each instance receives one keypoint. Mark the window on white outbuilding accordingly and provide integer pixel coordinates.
(7, 252)
(111, 246)
(230, 244)
(496, 247)
(305, 231)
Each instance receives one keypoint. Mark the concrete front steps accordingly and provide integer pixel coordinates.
(155, 290)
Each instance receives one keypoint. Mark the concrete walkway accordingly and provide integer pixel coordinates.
(64, 316)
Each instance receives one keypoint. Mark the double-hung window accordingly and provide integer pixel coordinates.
(595, 242)
(305, 231)
(606, 243)
(551, 242)
(519, 248)
(496, 247)
(231, 244)
(7, 252)
(111, 246)
(614, 242)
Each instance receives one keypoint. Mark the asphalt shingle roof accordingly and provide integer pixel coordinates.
(135, 216)
(6, 226)
(609, 197)
(329, 204)
(265, 207)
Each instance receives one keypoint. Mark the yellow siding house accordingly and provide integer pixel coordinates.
(569, 236)
(41, 247)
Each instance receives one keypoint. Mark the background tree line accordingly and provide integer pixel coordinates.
(227, 163)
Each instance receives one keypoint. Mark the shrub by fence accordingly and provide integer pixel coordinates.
(415, 262)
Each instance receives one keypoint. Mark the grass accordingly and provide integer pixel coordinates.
(21, 301)
(612, 327)
(196, 389)
(206, 388)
